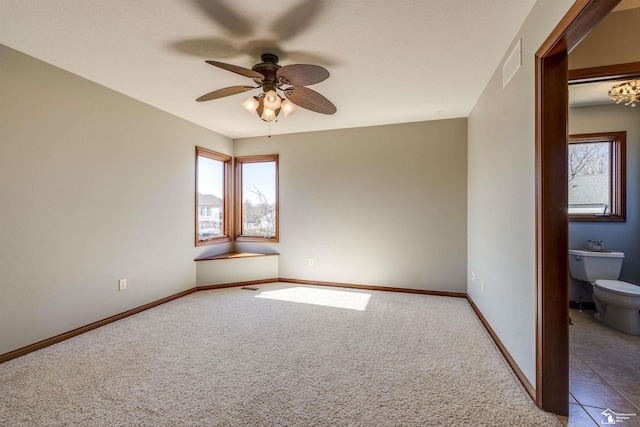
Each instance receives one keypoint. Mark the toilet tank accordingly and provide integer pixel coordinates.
(590, 266)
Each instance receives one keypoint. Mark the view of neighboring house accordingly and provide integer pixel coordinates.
(209, 215)
(589, 193)
(259, 219)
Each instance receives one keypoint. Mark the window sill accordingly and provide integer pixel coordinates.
(234, 255)
(213, 241)
(256, 239)
(597, 218)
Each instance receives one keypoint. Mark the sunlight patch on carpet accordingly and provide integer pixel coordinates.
(325, 297)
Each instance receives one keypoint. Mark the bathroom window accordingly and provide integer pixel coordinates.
(213, 192)
(597, 177)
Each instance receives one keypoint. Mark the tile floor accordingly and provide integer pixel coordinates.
(604, 373)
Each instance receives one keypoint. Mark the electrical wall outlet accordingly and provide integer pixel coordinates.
(473, 276)
(311, 261)
(122, 284)
(482, 285)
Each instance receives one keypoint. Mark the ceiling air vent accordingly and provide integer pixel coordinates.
(512, 63)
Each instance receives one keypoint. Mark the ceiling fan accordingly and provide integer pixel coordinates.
(291, 80)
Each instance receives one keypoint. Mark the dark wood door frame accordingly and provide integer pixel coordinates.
(552, 240)
(630, 70)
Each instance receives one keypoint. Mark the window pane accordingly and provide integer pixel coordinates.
(256, 198)
(212, 198)
(259, 199)
(589, 178)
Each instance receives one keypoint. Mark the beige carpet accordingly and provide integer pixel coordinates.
(283, 355)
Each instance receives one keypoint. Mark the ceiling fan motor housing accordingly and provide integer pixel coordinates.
(268, 68)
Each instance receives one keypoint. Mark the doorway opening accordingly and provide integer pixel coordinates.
(552, 312)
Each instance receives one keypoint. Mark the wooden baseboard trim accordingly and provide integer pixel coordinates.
(514, 366)
(235, 284)
(376, 288)
(66, 335)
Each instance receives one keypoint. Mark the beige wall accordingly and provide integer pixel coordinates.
(94, 187)
(501, 195)
(98, 187)
(613, 41)
(381, 205)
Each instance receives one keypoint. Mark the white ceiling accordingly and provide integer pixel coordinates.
(589, 94)
(391, 61)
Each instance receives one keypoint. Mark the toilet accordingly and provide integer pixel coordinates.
(617, 302)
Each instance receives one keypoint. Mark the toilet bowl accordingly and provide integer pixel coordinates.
(617, 302)
(618, 305)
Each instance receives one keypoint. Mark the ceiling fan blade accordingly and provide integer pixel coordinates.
(227, 91)
(237, 69)
(302, 74)
(297, 19)
(206, 47)
(310, 99)
(226, 17)
(307, 57)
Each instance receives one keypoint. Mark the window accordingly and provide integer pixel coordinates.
(213, 181)
(256, 198)
(597, 177)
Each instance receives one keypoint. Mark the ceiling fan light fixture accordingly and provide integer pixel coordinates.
(287, 107)
(627, 92)
(272, 100)
(251, 104)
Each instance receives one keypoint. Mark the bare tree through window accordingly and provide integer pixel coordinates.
(257, 198)
(589, 177)
(589, 159)
(597, 177)
(259, 214)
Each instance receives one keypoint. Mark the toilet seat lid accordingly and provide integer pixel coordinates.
(619, 287)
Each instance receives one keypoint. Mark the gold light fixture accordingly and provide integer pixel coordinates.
(626, 92)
